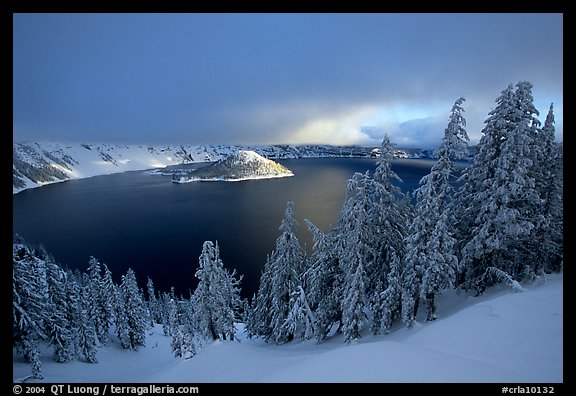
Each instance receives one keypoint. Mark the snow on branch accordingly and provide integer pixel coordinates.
(503, 277)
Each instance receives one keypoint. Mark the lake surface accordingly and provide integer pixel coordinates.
(157, 228)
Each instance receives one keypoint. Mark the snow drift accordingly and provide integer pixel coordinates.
(501, 336)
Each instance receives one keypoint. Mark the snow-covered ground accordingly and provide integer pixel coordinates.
(102, 159)
(502, 336)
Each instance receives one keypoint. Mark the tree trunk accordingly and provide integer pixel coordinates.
(431, 307)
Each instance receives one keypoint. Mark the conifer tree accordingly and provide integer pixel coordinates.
(98, 307)
(353, 315)
(217, 295)
(391, 215)
(133, 334)
(547, 243)
(358, 250)
(87, 338)
(390, 300)
(153, 303)
(499, 200)
(431, 262)
(281, 278)
(58, 326)
(324, 280)
(29, 303)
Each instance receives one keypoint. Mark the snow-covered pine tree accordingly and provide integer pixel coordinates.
(153, 303)
(253, 326)
(281, 277)
(259, 320)
(182, 340)
(390, 300)
(288, 260)
(87, 339)
(246, 312)
(441, 265)
(323, 280)
(190, 328)
(371, 230)
(165, 312)
(234, 293)
(134, 335)
(98, 308)
(217, 295)
(498, 199)
(353, 315)
(172, 317)
(300, 316)
(58, 328)
(556, 263)
(411, 280)
(108, 301)
(430, 261)
(120, 320)
(92, 286)
(390, 215)
(73, 310)
(147, 317)
(29, 304)
(547, 243)
(357, 251)
(177, 336)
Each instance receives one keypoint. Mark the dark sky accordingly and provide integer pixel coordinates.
(274, 78)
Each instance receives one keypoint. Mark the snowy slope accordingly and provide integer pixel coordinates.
(83, 160)
(499, 337)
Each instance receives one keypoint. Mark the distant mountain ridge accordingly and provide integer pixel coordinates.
(36, 164)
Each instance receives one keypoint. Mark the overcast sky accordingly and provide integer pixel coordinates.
(274, 78)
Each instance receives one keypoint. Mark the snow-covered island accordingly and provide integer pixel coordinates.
(242, 165)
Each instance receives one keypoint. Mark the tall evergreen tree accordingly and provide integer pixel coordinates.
(99, 309)
(133, 333)
(182, 339)
(217, 295)
(390, 299)
(499, 198)
(58, 327)
(29, 304)
(153, 303)
(257, 321)
(390, 216)
(107, 303)
(547, 243)
(323, 280)
(371, 230)
(353, 315)
(87, 338)
(281, 277)
(431, 261)
(358, 250)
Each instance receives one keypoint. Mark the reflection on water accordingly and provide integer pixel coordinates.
(157, 227)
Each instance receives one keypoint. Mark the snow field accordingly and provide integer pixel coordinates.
(499, 337)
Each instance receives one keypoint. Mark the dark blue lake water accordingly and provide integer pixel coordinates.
(157, 227)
